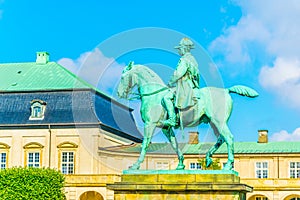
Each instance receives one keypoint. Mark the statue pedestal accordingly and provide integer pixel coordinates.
(179, 184)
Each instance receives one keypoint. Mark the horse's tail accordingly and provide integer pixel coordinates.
(243, 90)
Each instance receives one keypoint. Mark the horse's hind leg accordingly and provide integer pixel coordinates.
(224, 135)
(212, 150)
(171, 137)
(148, 133)
(230, 148)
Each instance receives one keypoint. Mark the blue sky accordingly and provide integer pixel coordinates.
(254, 43)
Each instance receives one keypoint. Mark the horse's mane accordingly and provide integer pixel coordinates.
(147, 74)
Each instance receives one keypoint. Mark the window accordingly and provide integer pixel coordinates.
(223, 165)
(36, 111)
(38, 108)
(67, 162)
(162, 165)
(261, 198)
(33, 154)
(67, 157)
(195, 166)
(33, 159)
(3, 160)
(294, 169)
(4, 150)
(261, 169)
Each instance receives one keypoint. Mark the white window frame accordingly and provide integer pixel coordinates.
(37, 104)
(36, 163)
(68, 165)
(296, 170)
(3, 164)
(295, 198)
(261, 198)
(261, 169)
(195, 166)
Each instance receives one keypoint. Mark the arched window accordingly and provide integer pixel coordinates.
(261, 198)
(4, 148)
(38, 108)
(33, 154)
(91, 195)
(258, 197)
(292, 197)
(67, 157)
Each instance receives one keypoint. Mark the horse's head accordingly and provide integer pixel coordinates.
(127, 81)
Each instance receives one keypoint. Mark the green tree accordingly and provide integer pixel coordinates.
(31, 184)
(215, 165)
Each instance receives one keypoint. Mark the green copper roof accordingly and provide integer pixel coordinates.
(32, 76)
(202, 148)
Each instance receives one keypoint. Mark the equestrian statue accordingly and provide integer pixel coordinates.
(181, 103)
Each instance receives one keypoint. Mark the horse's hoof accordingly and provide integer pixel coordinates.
(134, 167)
(208, 161)
(180, 167)
(228, 166)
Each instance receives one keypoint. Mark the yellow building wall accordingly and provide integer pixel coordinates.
(95, 166)
(86, 140)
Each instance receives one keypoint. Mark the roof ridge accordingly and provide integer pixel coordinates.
(86, 83)
(30, 76)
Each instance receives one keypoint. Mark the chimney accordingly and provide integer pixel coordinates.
(193, 137)
(262, 136)
(42, 57)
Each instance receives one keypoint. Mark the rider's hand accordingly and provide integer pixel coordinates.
(170, 85)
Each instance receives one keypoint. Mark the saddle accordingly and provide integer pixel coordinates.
(190, 116)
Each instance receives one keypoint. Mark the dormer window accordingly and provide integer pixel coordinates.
(38, 108)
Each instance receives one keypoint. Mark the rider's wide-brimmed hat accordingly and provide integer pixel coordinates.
(185, 42)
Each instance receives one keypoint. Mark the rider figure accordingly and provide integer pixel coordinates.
(186, 79)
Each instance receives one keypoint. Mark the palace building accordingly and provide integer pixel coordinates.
(49, 117)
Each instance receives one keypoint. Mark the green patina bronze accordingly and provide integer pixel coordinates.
(185, 80)
(209, 105)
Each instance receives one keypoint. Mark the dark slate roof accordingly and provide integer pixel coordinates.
(203, 147)
(79, 107)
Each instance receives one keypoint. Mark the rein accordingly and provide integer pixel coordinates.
(139, 96)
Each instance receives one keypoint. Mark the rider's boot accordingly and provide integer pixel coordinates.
(171, 121)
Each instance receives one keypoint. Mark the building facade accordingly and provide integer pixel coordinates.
(271, 168)
(51, 118)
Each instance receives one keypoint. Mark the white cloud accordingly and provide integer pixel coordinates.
(283, 78)
(95, 68)
(267, 32)
(285, 136)
(234, 43)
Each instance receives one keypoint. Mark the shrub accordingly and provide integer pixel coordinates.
(31, 184)
(215, 165)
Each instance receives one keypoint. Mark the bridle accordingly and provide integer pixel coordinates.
(139, 96)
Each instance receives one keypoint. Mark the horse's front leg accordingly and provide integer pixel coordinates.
(148, 133)
(171, 137)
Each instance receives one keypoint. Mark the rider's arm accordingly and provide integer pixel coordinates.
(179, 72)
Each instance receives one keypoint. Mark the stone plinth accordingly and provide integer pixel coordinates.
(179, 185)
